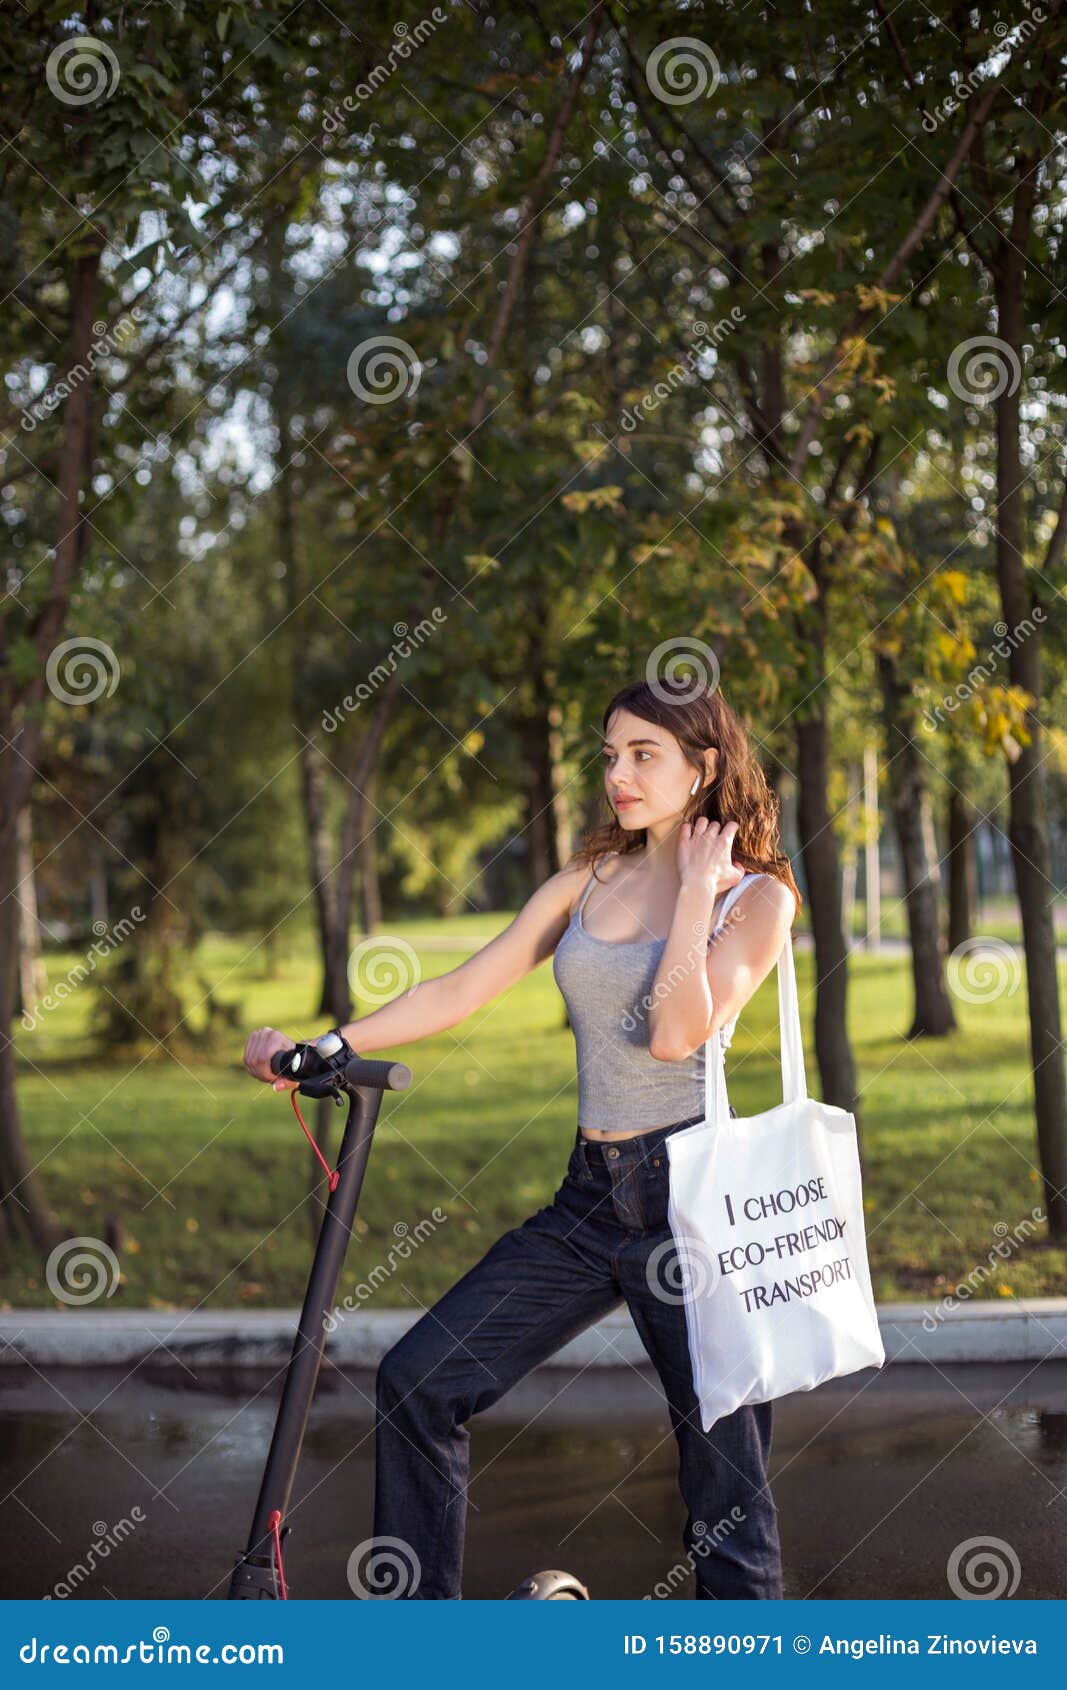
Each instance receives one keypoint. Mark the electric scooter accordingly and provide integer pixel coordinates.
(329, 1067)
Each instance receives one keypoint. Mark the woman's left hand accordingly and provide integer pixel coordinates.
(704, 855)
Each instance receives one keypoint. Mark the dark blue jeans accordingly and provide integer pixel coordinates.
(603, 1239)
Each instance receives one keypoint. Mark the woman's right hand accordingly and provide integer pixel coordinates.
(261, 1046)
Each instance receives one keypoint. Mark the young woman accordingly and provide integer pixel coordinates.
(646, 982)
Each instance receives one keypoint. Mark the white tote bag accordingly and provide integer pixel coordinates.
(767, 1217)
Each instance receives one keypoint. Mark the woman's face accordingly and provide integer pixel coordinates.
(645, 764)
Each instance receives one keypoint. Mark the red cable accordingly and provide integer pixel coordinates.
(274, 1522)
(335, 1174)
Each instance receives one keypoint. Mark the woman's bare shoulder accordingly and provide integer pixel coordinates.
(768, 892)
(575, 877)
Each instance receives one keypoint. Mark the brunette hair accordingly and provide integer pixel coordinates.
(700, 719)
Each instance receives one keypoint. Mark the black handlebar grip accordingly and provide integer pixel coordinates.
(361, 1071)
(386, 1076)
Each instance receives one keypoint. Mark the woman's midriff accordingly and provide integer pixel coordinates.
(600, 1135)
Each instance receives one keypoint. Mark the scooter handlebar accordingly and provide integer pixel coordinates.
(358, 1071)
(387, 1076)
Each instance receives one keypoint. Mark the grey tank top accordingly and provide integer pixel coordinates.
(606, 985)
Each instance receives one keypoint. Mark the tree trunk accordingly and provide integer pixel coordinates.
(548, 826)
(31, 972)
(872, 859)
(369, 886)
(822, 876)
(317, 833)
(920, 872)
(24, 1209)
(849, 868)
(24, 1212)
(1028, 828)
(98, 891)
(961, 821)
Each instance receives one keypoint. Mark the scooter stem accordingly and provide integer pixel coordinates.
(254, 1575)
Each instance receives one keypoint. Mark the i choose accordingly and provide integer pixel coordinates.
(784, 1202)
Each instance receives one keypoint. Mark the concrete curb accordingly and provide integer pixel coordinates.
(1030, 1330)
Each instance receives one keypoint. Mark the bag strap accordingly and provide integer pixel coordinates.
(794, 1080)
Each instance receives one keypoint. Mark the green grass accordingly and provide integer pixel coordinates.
(484, 1134)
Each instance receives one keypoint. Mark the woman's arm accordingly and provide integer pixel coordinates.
(434, 1005)
(694, 1001)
